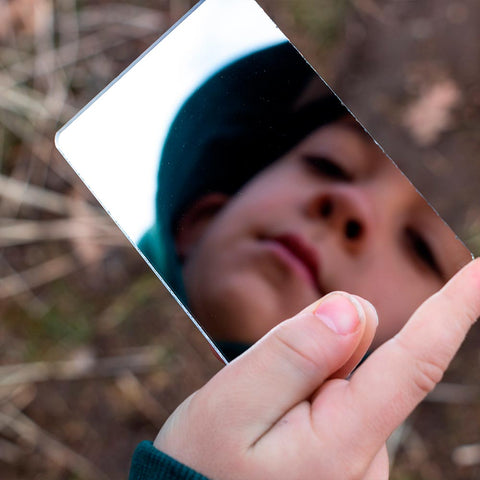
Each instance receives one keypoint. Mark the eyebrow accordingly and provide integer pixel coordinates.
(358, 128)
(353, 126)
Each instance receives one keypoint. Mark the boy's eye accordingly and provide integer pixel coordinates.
(422, 250)
(325, 166)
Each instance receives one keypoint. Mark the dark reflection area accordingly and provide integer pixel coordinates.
(271, 195)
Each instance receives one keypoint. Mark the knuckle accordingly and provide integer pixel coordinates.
(306, 352)
(427, 374)
(425, 370)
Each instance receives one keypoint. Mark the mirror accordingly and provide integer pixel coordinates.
(249, 187)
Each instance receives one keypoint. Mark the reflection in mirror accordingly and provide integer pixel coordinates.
(264, 193)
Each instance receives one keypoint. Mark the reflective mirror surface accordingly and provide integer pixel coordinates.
(249, 187)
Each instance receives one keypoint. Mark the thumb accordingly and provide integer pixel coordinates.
(292, 361)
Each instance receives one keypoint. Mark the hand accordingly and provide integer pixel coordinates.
(284, 410)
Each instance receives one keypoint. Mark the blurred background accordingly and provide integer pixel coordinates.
(94, 354)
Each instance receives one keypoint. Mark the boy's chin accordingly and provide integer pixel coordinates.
(245, 308)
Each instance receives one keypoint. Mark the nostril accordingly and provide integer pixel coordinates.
(353, 229)
(326, 207)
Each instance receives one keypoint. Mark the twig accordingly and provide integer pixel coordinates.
(66, 55)
(46, 272)
(21, 396)
(82, 367)
(31, 303)
(29, 102)
(34, 435)
(132, 15)
(24, 193)
(141, 398)
(29, 231)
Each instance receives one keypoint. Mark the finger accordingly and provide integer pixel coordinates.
(287, 365)
(365, 342)
(395, 378)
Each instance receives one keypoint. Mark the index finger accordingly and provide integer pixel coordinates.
(398, 375)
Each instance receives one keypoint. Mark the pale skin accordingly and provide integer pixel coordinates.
(284, 409)
(398, 253)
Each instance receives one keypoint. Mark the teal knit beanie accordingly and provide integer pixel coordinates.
(236, 123)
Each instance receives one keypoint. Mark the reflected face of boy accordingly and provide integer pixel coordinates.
(332, 214)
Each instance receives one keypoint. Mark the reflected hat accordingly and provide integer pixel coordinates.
(243, 118)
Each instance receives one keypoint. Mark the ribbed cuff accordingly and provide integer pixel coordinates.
(148, 463)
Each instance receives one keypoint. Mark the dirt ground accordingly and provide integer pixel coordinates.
(94, 354)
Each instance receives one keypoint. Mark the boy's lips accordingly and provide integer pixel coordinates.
(300, 255)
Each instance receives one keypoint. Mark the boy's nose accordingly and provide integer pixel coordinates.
(348, 212)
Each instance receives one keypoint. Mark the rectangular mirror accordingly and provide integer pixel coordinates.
(249, 187)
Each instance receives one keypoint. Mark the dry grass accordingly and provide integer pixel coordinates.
(70, 284)
(88, 367)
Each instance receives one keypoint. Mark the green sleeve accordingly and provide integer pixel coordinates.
(148, 463)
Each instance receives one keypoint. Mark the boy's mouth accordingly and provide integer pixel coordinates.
(300, 255)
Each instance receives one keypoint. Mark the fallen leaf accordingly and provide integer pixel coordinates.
(431, 114)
